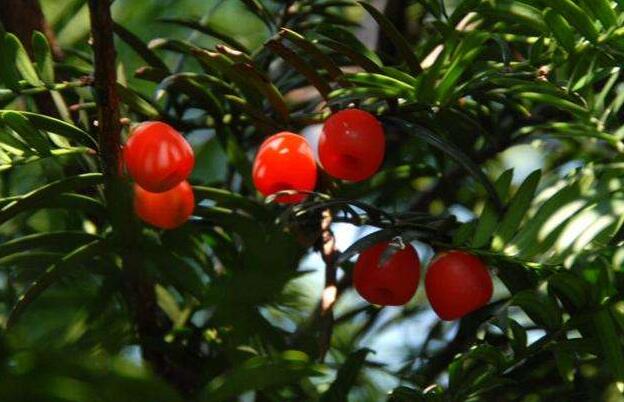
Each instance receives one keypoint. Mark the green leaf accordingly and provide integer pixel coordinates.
(451, 150)
(602, 9)
(301, 66)
(78, 202)
(517, 12)
(261, 82)
(231, 200)
(556, 101)
(370, 240)
(405, 394)
(59, 127)
(560, 28)
(469, 48)
(542, 309)
(346, 377)
(29, 133)
(206, 29)
(566, 363)
(258, 8)
(196, 87)
(344, 42)
(140, 48)
(461, 10)
(314, 52)
(519, 336)
(8, 71)
(569, 288)
(576, 17)
(40, 196)
(609, 341)
(516, 211)
(258, 373)
(45, 240)
(177, 271)
(602, 218)
(549, 218)
(43, 57)
(72, 260)
(465, 232)
(18, 55)
(403, 47)
(137, 103)
(489, 219)
(401, 88)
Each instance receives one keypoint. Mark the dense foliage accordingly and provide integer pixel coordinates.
(97, 306)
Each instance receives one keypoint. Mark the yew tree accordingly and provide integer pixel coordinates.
(311, 200)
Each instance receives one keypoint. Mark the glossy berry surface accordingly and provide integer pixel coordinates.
(352, 145)
(457, 283)
(166, 210)
(285, 161)
(157, 157)
(387, 278)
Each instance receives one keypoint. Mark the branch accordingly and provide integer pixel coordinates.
(150, 321)
(107, 98)
(330, 292)
(23, 17)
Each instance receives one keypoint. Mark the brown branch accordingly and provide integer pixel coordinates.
(22, 18)
(107, 98)
(330, 291)
(139, 293)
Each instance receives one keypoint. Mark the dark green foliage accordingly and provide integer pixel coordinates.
(467, 81)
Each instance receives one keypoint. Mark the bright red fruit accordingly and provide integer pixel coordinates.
(392, 282)
(352, 145)
(166, 210)
(285, 161)
(157, 157)
(457, 283)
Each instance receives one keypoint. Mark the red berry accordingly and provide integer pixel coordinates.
(157, 157)
(352, 145)
(285, 161)
(457, 283)
(388, 283)
(166, 210)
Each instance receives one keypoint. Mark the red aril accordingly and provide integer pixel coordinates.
(387, 277)
(352, 145)
(165, 210)
(457, 283)
(157, 157)
(285, 162)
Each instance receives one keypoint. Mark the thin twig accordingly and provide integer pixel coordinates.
(329, 252)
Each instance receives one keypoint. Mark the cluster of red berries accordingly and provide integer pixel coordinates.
(351, 147)
(457, 283)
(160, 160)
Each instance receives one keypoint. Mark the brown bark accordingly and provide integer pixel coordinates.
(395, 12)
(151, 325)
(330, 292)
(22, 18)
